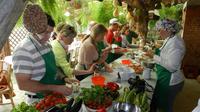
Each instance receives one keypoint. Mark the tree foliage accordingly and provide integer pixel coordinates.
(91, 10)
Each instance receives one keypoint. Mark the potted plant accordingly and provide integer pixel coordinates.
(96, 99)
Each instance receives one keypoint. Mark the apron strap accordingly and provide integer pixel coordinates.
(35, 46)
(164, 44)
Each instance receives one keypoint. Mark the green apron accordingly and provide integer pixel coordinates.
(100, 46)
(111, 56)
(162, 86)
(118, 43)
(51, 70)
(130, 36)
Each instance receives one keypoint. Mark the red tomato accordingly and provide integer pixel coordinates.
(47, 103)
(64, 100)
(102, 110)
(47, 100)
(112, 86)
(52, 104)
(60, 101)
(38, 107)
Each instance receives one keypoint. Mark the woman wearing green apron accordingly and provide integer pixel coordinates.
(65, 36)
(89, 52)
(168, 59)
(33, 60)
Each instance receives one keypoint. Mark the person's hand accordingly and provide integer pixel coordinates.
(108, 69)
(92, 68)
(158, 43)
(120, 50)
(63, 90)
(104, 55)
(124, 50)
(107, 49)
(70, 80)
(149, 53)
(116, 34)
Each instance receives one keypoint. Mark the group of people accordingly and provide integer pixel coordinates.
(41, 67)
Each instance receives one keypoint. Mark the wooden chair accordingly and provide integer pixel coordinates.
(6, 86)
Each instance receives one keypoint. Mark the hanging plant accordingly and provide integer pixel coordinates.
(116, 12)
(76, 4)
(151, 24)
(173, 12)
(49, 6)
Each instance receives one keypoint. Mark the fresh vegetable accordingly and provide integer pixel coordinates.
(76, 107)
(23, 107)
(95, 97)
(131, 96)
(139, 99)
(102, 110)
(122, 97)
(112, 86)
(142, 101)
(137, 67)
(69, 105)
(111, 89)
(113, 94)
(51, 100)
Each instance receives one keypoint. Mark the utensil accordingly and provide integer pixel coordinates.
(119, 78)
(125, 107)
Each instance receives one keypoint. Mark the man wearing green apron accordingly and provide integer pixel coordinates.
(51, 70)
(168, 59)
(113, 36)
(33, 60)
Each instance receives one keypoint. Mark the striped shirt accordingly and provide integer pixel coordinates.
(27, 59)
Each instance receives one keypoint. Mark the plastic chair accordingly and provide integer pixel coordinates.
(6, 85)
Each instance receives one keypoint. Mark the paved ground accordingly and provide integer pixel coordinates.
(187, 100)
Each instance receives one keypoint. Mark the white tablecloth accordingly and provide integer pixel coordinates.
(197, 109)
(112, 77)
